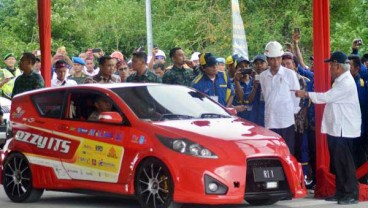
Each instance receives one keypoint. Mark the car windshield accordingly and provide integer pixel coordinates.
(169, 102)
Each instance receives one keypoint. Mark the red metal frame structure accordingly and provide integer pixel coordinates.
(44, 24)
(321, 50)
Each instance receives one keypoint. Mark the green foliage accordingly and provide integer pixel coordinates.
(191, 24)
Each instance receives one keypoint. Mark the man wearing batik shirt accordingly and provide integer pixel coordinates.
(289, 61)
(29, 80)
(107, 67)
(178, 74)
(142, 73)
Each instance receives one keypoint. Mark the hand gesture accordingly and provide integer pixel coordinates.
(301, 93)
(240, 108)
(296, 38)
(238, 76)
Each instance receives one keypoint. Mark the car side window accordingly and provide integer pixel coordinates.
(83, 106)
(49, 105)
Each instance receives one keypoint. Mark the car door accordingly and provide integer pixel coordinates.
(100, 150)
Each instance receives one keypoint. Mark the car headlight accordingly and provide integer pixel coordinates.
(186, 146)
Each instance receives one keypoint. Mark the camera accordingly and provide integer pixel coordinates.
(246, 71)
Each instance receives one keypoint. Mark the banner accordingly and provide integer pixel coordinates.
(240, 45)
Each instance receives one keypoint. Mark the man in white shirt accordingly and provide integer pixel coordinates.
(342, 123)
(277, 83)
(60, 79)
(90, 68)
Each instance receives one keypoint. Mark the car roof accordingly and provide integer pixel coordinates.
(89, 86)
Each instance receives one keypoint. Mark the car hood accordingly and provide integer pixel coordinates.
(231, 129)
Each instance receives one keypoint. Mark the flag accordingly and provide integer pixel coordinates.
(240, 45)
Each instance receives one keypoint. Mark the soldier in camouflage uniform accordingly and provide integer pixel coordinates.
(78, 76)
(142, 74)
(29, 80)
(178, 74)
(105, 75)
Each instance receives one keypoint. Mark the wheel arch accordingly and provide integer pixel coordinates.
(145, 158)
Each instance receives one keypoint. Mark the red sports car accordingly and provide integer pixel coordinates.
(163, 144)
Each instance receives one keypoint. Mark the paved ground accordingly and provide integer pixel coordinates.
(68, 200)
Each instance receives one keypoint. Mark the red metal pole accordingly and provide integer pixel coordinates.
(321, 50)
(322, 82)
(44, 23)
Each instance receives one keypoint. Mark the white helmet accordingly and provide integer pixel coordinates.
(195, 56)
(273, 49)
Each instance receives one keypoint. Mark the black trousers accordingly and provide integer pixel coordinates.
(342, 163)
(288, 134)
(360, 154)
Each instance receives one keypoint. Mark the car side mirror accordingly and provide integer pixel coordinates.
(232, 111)
(110, 117)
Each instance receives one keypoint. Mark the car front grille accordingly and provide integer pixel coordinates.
(253, 187)
(5, 109)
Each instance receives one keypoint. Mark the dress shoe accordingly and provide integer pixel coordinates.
(332, 198)
(348, 200)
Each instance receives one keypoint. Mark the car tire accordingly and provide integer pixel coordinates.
(17, 179)
(261, 202)
(153, 185)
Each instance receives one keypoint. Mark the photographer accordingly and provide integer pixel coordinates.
(255, 97)
(243, 86)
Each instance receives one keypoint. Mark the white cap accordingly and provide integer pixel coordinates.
(160, 53)
(273, 49)
(195, 56)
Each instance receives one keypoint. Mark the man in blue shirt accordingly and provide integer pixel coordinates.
(360, 143)
(212, 82)
(255, 98)
(243, 85)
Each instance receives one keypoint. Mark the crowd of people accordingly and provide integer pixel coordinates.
(274, 90)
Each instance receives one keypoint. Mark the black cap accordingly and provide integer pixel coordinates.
(240, 60)
(210, 60)
(260, 57)
(339, 57)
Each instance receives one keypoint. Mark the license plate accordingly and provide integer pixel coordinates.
(268, 174)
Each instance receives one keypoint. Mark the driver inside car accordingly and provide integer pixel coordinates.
(101, 104)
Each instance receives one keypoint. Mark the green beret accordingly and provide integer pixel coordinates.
(9, 55)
